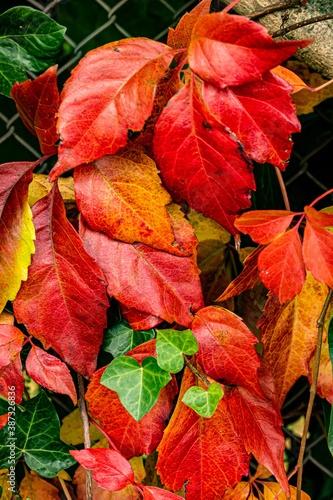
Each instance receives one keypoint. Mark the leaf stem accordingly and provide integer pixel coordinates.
(231, 5)
(321, 196)
(313, 390)
(293, 27)
(64, 487)
(111, 443)
(283, 188)
(196, 372)
(274, 8)
(86, 435)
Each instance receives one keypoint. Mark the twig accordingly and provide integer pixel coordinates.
(64, 487)
(313, 390)
(274, 8)
(111, 443)
(196, 372)
(283, 188)
(293, 27)
(85, 422)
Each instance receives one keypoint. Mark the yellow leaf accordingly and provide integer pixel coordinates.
(34, 487)
(71, 430)
(206, 228)
(138, 469)
(6, 319)
(272, 489)
(245, 252)
(289, 76)
(297, 427)
(64, 475)
(261, 473)
(40, 187)
(4, 484)
(240, 492)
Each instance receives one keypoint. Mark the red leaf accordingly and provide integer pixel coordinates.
(149, 280)
(318, 253)
(151, 493)
(110, 92)
(258, 422)
(261, 114)
(64, 301)
(11, 340)
(245, 47)
(318, 218)
(110, 469)
(199, 160)
(130, 184)
(139, 320)
(37, 102)
(205, 452)
(48, 371)
(247, 279)
(281, 265)
(132, 438)
(264, 226)
(226, 350)
(11, 376)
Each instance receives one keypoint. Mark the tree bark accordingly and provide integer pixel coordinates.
(318, 55)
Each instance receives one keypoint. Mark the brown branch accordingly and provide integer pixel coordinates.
(274, 8)
(293, 27)
(283, 188)
(196, 372)
(64, 487)
(313, 390)
(86, 435)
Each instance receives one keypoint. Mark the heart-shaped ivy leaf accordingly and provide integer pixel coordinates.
(203, 402)
(170, 346)
(137, 386)
(121, 338)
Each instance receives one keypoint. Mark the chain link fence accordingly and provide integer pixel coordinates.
(91, 23)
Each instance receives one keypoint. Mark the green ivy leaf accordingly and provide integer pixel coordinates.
(203, 402)
(137, 386)
(170, 344)
(330, 347)
(36, 435)
(121, 338)
(29, 40)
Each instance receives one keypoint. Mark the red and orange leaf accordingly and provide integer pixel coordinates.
(64, 301)
(122, 196)
(264, 226)
(11, 340)
(37, 102)
(132, 438)
(152, 493)
(16, 228)
(110, 469)
(290, 77)
(205, 452)
(139, 320)
(245, 47)
(241, 492)
(33, 486)
(247, 279)
(110, 93)
(261, 114)
(7, 318)
(289, 334)
(200, 161)
(282, 267)
(258, 422)
(325, 378)
(318, 253)
(48, 371)
(226, 348)
(322, 219)
(156, 282)
(180, 37)
(11, 376)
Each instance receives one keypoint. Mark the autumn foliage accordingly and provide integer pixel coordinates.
(161, 138)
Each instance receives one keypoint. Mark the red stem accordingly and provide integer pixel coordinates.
(28, 339)
(231, 5)
(320, 197)
(111, 443)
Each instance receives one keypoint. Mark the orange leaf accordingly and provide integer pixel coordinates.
(139, 320)
(290, 77)
(132, 438)
(240, 492)
(48, 371)
(271, 491)
(264, 226)
(64, 301)
(34, 487)
(247, 279)
(325, 378)
(110, 93)
(130, 184)
(282, 267)
(37, 102)
(205, 452)
(289, 334)
(322, 219)
(11, 340)
(226, 348)
(318, 253)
